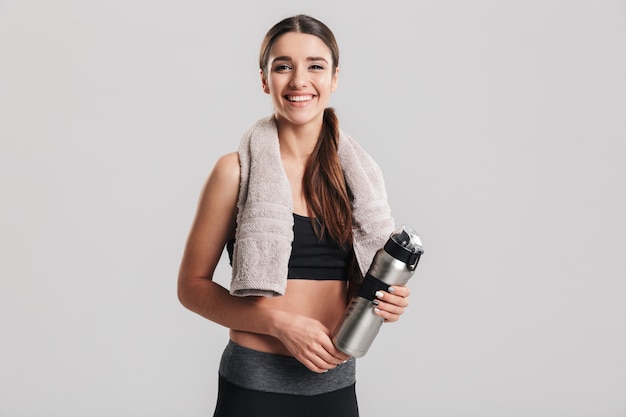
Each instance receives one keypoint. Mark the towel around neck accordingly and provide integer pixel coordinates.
(265, 210)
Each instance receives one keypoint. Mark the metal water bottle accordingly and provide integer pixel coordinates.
(393, 264)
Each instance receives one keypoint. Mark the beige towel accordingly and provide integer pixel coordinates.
(265, 211)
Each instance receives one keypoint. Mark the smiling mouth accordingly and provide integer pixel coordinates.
(299, 98)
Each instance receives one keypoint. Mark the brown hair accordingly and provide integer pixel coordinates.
(324, 185)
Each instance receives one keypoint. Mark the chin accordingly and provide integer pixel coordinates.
(302, 119)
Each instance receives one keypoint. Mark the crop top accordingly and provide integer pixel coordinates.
(311, 257)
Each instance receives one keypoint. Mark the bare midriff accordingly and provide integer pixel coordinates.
(321, 300)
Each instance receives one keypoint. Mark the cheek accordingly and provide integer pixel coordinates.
(326, 84)
(276, 83)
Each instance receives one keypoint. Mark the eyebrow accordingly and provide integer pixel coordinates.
(311, 58)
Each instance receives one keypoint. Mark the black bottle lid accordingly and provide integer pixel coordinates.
(406, 246)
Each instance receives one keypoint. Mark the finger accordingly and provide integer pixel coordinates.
(388, 307)
(324, 355)
(333, 355)
(387, 315)
(312, 366)
(392, 298)
(399, 290)
(320, 363)
(317, 359)
(337, 355)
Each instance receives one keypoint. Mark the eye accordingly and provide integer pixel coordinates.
(282, 68)
(316, 67)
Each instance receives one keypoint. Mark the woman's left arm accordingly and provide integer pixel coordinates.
(391, 304)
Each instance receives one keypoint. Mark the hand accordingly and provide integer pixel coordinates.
(309, 341)
(391, 304)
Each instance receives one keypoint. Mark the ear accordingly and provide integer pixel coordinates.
(266, 88)
(335, 80)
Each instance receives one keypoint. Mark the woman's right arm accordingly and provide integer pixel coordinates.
(213, 226)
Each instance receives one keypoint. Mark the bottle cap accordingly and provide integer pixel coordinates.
(406, 246)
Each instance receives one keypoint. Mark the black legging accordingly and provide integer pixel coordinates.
(235, 401)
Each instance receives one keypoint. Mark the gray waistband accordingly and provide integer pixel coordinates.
(262, 371)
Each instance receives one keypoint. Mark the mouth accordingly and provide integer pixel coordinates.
(298, 99)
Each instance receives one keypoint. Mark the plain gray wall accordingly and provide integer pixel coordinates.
(501, 129)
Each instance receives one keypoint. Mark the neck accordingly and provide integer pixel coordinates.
(297, 141)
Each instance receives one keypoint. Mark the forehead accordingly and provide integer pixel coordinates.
(296, 45)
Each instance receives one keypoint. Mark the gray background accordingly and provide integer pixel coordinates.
(501, 130)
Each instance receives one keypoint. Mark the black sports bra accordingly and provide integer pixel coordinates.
(311, 257)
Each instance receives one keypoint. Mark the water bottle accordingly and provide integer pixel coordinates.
(393, 264)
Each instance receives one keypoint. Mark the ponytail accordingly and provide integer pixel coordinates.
(324, 185)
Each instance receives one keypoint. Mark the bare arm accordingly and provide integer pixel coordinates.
(306, 338)
(213, 226)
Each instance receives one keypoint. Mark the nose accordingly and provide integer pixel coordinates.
(298, 78)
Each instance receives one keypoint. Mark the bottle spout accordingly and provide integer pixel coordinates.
(410, 243)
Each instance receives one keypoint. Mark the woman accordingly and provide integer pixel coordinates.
(301, 209)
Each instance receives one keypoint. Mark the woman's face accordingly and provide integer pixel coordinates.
(300, 77)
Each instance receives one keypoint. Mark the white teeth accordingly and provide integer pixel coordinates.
(299, 98)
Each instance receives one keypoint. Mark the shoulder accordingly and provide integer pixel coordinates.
(222, 183)
(219, 195)
(227, 169)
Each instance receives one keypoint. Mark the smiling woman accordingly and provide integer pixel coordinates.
(294, 207)
(300, 76)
